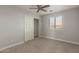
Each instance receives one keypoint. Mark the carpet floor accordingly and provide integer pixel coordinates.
(43, 45)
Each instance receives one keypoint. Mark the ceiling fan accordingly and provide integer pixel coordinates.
(40, 8)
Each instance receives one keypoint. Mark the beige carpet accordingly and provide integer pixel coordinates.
(43, 45)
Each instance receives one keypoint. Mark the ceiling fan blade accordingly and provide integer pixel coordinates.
(45, 6)
(43, 10)
(38, 6)
(38, 10)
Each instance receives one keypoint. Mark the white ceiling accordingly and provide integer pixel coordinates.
(55, 8)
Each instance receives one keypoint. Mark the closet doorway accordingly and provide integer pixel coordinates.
(36, 28)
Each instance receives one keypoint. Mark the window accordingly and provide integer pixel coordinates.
(56, 22)
(59, 22)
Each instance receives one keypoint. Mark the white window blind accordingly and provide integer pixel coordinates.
(56, 22)
(59, 22)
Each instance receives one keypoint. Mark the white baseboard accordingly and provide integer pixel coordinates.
(9, 46)
(61, 40)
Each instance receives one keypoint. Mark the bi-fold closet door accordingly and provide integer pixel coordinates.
(29, 27)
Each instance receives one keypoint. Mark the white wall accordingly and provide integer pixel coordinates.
(71, 26)
(13, 23)
(12, 27)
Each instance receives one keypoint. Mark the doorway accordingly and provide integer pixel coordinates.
(36, 28)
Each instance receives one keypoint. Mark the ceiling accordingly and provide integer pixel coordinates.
(51, 9)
